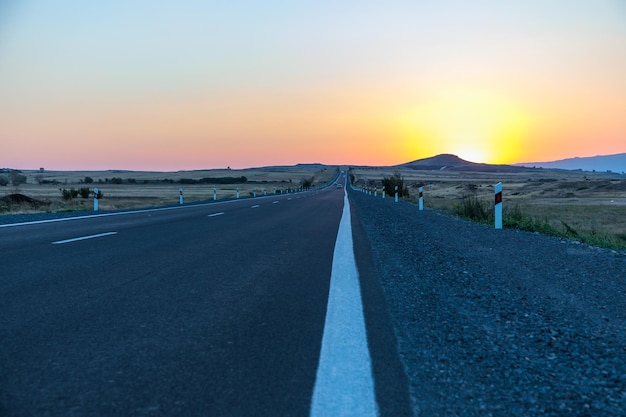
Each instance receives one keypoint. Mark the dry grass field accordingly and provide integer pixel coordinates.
(586, 205)
(135, 189)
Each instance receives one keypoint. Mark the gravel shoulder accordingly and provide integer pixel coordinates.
(499, 322)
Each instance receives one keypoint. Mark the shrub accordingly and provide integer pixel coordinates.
(88, 180)
(17, 178)
(116, 180)
(474, 209)
(390, 183)
(68, 194)
(84, 192)
(4, 181)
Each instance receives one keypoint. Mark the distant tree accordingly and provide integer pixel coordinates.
(307, 183)
(390, 183)
(17, 178)
(84, 192)
(88, 180)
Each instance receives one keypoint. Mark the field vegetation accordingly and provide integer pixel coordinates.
(54, 191)
(586, 206)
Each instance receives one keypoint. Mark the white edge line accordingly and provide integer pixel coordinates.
(120, 213)
(344, 384)
(59, 242)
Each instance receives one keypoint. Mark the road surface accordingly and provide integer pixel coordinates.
(212, 310)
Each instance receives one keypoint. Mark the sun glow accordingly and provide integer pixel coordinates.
(473, 124)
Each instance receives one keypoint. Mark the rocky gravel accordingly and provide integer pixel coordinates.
(499, 322)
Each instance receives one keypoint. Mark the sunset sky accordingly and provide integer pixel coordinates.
(151, 85)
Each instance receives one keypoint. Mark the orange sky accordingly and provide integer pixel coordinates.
(149, 85)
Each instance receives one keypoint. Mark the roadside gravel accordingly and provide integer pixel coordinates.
(499, 322)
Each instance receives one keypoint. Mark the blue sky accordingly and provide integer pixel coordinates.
(257, 83)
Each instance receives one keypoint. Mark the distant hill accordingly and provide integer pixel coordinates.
(615, 163)
(454, 163)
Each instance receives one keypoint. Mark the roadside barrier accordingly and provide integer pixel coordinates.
(421, 198)
(498, 205)
(96, 193)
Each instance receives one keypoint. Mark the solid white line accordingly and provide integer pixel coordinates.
(59, 242)
(344, 385)
(216, 214)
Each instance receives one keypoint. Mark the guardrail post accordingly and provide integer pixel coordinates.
(214, 194)
(237, 195)
(96, 193)
(254, 192)
(396, 189)
(384, 192)
(421, 199)
(498, 205)
(181, 195)
(265, 191)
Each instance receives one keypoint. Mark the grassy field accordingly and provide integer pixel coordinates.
(134, 189)
(587, 206)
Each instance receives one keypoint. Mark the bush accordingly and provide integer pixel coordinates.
(4, 181)
(68, 194)
(88, 180)
(17, 178)
(116, 180)
(474, 209)
(84, 192)
(390, 183)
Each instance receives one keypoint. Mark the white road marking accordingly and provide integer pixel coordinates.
(216, 214)
(344, 385)
(122, 213)
(59, 242)
(255, 206)
(275, 202)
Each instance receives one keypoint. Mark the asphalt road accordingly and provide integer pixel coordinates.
(212, 310)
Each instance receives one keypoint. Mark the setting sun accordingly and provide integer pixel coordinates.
(474, 124)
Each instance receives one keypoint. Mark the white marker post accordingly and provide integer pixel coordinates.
(265, 191)
(384, 192)
(96, 194)
(181, 195)
(396, 188)
(237, 192)
(421, 200)
(375, 191)
(254, 192)
(214, 194)
(498, 205)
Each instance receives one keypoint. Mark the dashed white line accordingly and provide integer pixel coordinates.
(59, 242)
(275, 202)
(255, 206)
(216, 214)
(344, 385)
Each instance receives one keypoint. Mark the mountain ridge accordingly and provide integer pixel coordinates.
(614, 163)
